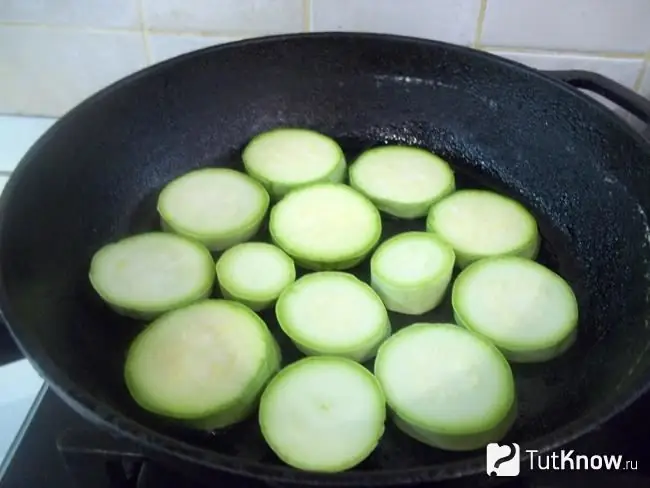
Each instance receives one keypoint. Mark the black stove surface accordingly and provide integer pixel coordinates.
(57, 448)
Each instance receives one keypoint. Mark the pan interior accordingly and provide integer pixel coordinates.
(95, 178)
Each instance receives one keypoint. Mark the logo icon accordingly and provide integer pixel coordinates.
(502, 460)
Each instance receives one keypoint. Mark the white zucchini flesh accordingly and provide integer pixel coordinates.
(524, 308)
(446, 386)
(218, 207)
(205, 364)
(333, 313)
(481, 223)
(254, 273)
(287, 158)
(323, 414)
(411, 272)
(326, 226)
(402, 181)
(145, 275)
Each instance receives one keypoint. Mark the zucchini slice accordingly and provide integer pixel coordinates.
(524, 308)
(323, 414)
(287, 158)
(145, 275)
(254, 273)
(326, 226)
(205, 364)
(480, 224)
(219, 207)
(446, 386)
(411, 272)
(402, 181)
(333, 313)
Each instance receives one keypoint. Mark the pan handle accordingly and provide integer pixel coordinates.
(614, 92)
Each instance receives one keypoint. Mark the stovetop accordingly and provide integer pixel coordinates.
(57, 448)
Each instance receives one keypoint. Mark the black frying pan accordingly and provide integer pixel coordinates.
(94, 176)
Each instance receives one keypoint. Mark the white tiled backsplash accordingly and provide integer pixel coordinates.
(54, 53)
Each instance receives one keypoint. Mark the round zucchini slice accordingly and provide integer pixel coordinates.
(411, 272)
(254, 273)
(480, 224)
(287, 158)
(205, 365)
(323, 414)
(145, 275)
(219, 207)
(333, 313)
(446, 386)
(326, 226)
(524, 308)
(402, 181)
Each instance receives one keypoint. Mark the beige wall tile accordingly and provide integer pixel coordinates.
(584, 25)
(47, 71)
(447, 20)
(224, 15)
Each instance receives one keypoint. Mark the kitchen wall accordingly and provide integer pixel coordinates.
(54, 53)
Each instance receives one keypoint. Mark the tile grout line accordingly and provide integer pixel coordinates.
(137, 30)
(565, 52)
(145, 34)
(638, 84)
(307, 24)
(640, 76)
(306, 12)
(478, 32)
(233, 33)
(143, 30)
(28, 115)
(19, 114)
(72, 27)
